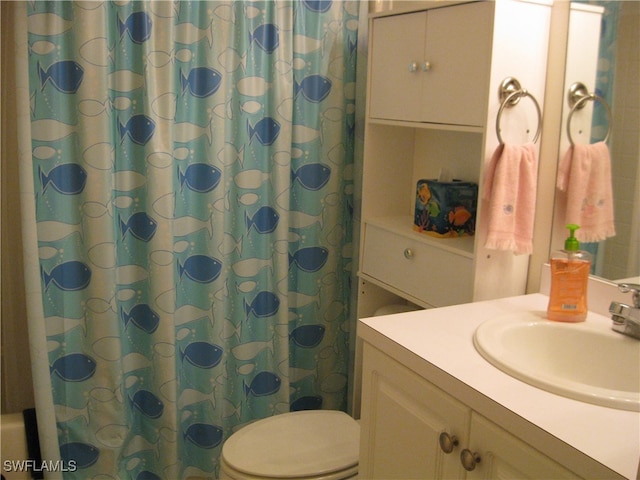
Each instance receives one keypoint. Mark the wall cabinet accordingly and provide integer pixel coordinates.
(407, 424)
(434, 70)
(423, 120)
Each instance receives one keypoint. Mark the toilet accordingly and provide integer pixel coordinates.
(309, 444)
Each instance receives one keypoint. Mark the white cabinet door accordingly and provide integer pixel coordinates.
(396, 80)
(432, 66)
(458, 49)
(502, 455)
(402, 419)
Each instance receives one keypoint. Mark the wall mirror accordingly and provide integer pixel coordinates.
(603, 54)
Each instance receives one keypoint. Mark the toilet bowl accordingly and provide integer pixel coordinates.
(309, 444)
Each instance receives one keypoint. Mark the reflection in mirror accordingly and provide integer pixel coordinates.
(603, 54)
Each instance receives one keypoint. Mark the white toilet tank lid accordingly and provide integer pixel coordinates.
(296, 444)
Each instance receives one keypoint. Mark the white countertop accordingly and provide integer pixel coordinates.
(443, 337)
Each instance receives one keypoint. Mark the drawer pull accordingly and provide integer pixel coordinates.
(469, 459)
(408, 253)
(448, 442)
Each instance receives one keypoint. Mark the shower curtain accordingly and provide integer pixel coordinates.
(604, 87)
(192, 179)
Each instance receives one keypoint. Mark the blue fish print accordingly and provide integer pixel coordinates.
(147, 475)
(137, 25)
(200, 268)
(309, 259)
(266, 130)
(266, 36)
(265, 304)
(82, 454)
(66, 76)
(200, 177)
(314, 88)
(312, 176)
(75, 367)
(310, 402)
(265, 220)
(264, 383)
(69, 276)
(353, 44)
(141, 226)
(307, 336)
(68, 178)
(318, 6)
(204, 435)
(142, 316)
(202, 354)
(202, 82)
(139, 128)
(148, 404)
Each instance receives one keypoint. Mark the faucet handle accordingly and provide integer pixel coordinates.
(635, 292)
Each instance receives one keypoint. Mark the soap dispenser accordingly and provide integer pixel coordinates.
(569, 279)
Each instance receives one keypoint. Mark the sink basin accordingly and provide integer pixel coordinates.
(583, 361)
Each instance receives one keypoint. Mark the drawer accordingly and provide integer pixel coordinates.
(422, 270)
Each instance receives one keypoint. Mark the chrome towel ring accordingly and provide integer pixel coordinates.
(510, 94)
(578, 97)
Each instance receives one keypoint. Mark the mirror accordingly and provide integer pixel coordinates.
(602, 53)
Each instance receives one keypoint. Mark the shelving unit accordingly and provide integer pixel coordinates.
(443, 66)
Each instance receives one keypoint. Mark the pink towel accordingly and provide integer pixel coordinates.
(510, 183)
(585, 174)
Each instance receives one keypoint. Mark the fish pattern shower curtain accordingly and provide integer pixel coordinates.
(193, 174)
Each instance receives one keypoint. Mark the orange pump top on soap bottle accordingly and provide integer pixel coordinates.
(569, 279)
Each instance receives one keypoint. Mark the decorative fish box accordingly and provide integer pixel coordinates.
(446, 209)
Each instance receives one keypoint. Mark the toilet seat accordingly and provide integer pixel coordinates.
(322, 444)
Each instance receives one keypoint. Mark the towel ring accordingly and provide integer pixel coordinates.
(578, 97)
(510, 94)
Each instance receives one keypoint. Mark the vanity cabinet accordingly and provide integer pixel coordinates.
(412, 429)
(434, 74)
(503, 455)
(423, 63)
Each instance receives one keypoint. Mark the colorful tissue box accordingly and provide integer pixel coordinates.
(446, 209)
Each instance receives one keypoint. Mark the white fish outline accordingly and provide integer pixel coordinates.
(56, 325)
(187, 33)
(96, 52)
(251, 179)
(231, 60)
(250, 350)
(251, 266)
(125, 81)
(52, 230)
(100, 155)
(48, 130)
(42, 47)
(47, 24)
(186, 132)
(253, 86)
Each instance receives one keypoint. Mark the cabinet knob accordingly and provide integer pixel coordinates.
(408, 253)
(413, 67)
(426, 66)
(469, 459)
(447, 442)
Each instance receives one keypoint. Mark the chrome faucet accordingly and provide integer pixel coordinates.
(626, 319)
